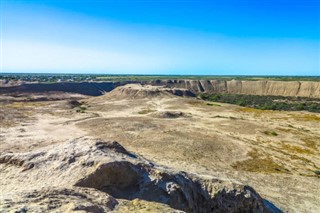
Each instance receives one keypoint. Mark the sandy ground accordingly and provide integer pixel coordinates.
(274, 152)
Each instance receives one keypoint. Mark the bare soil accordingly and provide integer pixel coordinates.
(275, 152)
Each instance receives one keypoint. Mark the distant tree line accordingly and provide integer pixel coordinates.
(266, 102)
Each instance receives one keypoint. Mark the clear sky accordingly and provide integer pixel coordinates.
(200, 37)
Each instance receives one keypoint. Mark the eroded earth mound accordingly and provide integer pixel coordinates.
(90, 175)
(138, 91)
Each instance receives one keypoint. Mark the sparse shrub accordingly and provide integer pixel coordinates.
(81, 109)
(317, 172)
(273, 133)
(211, 104)
(241, 102)
(301, 106)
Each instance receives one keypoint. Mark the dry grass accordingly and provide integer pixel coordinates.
(146, 111)
(310, 117)
(296, 149)
(196, 103)
(257, 163)
(23, 105)
(11, 116)
(305, 117)
(311, 142)
(13, 113)
(252, 110)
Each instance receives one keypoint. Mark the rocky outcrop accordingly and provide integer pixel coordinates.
(275, 88)
(90, 175)
(72, 199)
(180, 191)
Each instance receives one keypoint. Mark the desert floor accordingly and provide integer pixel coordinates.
(275, 152)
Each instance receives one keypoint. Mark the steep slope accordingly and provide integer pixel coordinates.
(138, 91)
(277, 88)
(48, 180)
(179, 87)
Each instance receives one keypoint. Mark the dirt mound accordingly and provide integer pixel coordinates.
(112, 145)
(110, 169)
(73, 103)
(8, 83)
(138, 91)
(169, 114)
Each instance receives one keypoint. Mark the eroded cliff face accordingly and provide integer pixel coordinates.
(309, 89)
(276, 88)
(90, 175)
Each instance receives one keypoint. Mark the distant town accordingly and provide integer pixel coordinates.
(56, 78)
(46, 78)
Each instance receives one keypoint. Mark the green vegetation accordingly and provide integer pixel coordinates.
(272, 133)
(266, 102)
(46, 78)
(81, 108)
(211, 104)
(317, 172)
(53, 78)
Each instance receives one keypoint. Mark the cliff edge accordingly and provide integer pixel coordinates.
(276, 88)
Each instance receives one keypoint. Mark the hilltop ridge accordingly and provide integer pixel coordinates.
(310, 89)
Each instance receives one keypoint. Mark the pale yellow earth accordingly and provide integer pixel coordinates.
(275, 152)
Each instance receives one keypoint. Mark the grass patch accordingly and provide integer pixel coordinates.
(256, 112)
(310, 142)
(296, 149)
(146, 111)
(22, 105)
(317, 172)
(257, 163)
(195, 103)
(15, 113)
(308, 117)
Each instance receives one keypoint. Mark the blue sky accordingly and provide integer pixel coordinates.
(162, 37)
